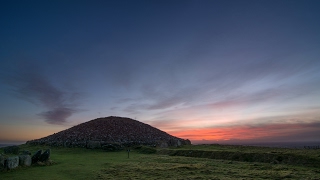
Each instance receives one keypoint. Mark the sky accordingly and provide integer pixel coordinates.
(205, 70)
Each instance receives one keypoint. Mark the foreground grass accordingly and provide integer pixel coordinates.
(254, 149)
(77, 163)
(302, 157)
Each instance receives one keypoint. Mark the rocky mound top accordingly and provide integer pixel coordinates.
(115, 130)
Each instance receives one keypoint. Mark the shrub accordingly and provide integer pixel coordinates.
(147, 150)
(11, 150)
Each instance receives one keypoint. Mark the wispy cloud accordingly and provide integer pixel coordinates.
(34, 87)
(221, 83)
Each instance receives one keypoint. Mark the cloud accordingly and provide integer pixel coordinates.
(32, 86)
(212, 80)
(57, 115)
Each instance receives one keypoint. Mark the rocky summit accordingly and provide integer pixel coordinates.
(110, 132)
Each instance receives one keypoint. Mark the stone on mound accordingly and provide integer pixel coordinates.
(25, 160)
(36, 156)
(2, 162)
(45, 156)
(13, 162)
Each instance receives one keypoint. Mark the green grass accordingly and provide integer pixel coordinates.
(77, 163)
(303, 157)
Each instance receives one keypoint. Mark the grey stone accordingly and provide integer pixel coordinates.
(25, 160)
(35, 157)
(13, 162)
(2, 162)
(45, 156)
(178, 143)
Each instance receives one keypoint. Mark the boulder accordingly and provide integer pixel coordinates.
(12, 162)
(93, 145)
(25, 160)
(2, 162)
(11, 150)
(35, 157)
(45, 156)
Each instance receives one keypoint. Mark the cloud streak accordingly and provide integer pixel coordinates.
(213, 81)
(34, 87)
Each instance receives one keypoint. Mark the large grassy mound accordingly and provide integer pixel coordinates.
(79, 163)
(103, 131)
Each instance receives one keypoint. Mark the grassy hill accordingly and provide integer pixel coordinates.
(80, 163)
(112, 129)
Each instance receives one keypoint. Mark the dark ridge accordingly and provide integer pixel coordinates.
(115, 130)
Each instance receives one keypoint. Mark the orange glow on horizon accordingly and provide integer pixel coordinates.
(26, 133)
(244, 132)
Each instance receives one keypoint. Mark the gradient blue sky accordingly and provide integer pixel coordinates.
(204, 70)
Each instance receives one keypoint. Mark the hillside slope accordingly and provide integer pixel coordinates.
(123, 131)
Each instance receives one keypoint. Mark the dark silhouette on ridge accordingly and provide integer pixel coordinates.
(110, 130)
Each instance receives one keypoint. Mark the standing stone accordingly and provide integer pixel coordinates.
(25, 160)
(178, 143)
(13, 162)
(45, 156)
(35, 157)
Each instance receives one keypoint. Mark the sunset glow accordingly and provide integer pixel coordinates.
(210, 71)
(292, 132)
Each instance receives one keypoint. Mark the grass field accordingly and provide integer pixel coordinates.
(77, 163)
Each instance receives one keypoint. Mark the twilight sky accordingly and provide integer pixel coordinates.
(209, 71)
